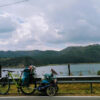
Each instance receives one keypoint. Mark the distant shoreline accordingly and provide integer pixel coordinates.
(49, 65)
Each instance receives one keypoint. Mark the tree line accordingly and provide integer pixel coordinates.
(76, 54)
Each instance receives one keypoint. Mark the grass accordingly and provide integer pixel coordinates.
(79, 89)
(67, 90)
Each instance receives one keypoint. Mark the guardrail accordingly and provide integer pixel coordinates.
(79, 79)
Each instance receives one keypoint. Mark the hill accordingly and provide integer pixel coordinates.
(79, 54)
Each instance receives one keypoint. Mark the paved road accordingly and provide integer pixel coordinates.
(50, 98)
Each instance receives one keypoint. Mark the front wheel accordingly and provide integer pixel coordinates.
(4, 85)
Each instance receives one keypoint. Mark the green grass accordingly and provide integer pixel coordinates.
(68, 89)
(79, 89)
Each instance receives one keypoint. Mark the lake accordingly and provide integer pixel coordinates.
(62, 70)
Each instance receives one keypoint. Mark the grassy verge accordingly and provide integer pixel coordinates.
(67, 90)
(79, 89)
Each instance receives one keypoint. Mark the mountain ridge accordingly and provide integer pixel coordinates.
(73, 54)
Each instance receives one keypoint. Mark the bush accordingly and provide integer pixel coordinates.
(98, 73)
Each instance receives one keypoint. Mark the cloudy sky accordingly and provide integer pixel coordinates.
(48, 24)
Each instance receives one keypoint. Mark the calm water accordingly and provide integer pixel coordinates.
(76, 69)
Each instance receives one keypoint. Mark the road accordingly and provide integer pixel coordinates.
(51, 98)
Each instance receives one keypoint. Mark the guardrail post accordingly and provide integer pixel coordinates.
(69, 69)
(0, 71)
(91, 88)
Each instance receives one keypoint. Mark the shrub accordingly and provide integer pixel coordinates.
(98, 73)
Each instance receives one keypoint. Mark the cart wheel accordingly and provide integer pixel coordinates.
(50, 91)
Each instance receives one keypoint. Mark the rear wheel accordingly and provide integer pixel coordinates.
(28, 86)
(28, 89)
(50, 91)
(4, 85)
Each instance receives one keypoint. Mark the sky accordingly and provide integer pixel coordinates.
(48, 24)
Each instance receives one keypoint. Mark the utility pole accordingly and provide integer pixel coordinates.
(69, 73)
(0, 71)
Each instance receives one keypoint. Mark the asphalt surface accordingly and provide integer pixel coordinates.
(51, 98)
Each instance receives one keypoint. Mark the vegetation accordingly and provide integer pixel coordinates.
(98, 73)
(68, 89)
(87, 54)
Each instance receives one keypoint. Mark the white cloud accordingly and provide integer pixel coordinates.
(46, 24)
(41, 47)
(35, 28)
(3, 42)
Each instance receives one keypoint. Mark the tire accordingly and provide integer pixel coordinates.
(28, 89)
(50, 91)
(4, 85)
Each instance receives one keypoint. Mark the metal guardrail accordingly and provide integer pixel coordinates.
(75, 79)
(78, 79)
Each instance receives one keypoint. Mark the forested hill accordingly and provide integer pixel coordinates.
(79, 54)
